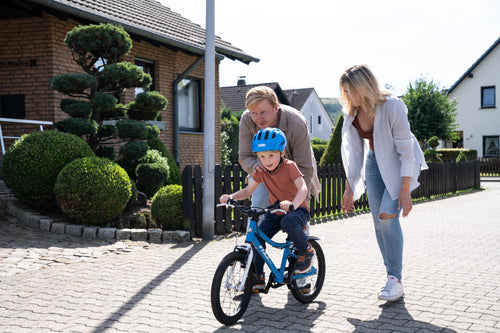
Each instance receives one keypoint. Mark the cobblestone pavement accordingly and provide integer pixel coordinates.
(57, 283)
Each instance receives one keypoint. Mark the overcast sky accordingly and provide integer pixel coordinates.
(304, 44)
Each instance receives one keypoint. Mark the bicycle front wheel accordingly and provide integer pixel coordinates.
(314, 282)
(230, 295)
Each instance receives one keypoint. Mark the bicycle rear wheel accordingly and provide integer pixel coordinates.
(228, 302)
(314, 282)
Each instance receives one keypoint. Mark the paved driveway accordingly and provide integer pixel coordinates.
(56, 283)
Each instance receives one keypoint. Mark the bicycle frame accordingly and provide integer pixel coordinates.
(279, 274)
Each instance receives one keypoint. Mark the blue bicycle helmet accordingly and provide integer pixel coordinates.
(269, 139)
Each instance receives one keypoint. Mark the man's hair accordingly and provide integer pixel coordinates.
(257, 94)
(360, 80)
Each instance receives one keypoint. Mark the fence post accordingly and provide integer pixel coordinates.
(219, 225)
(198, 200)
(187, 199)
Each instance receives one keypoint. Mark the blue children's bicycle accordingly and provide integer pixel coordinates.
(235, 275)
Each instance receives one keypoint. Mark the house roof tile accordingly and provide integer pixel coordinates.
(149, 19)
(235, 96)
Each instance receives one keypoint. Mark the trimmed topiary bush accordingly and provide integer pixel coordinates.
(432, 156)
(433, 142)
(92, 190)
(31, 165)
(175, 176)
(332, 154)
(151, 177)
(167, 208)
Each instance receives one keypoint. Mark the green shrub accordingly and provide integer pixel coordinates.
(433, 142)
(92, 190)
(332, 154)
(318, 141)
(133, 197)
(461, 157)
(31, 165)
(431, 155)
(451, 154)
(175, 176)
(318, 150)
(151, 177)
(167, 207)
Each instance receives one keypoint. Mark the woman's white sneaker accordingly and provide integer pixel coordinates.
(392, 291)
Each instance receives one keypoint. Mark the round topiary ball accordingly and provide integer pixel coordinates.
(92, 190)
(167, 207)
(31, 165)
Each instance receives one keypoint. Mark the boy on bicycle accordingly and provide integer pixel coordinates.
(285, 183)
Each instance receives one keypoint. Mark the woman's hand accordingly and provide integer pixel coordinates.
(404, 201)
(347, 201)
(404, 198)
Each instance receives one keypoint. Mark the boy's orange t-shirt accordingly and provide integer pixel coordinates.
(280, 184)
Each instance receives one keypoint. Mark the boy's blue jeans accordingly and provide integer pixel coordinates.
(388, 231)
(292, 223)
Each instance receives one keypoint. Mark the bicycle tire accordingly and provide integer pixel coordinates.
(229, 304)
(316, 280)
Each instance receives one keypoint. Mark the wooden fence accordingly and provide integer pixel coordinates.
(439, 179)
(490, 166)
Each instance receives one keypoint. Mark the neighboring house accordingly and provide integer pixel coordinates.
(478, 115)
(165, 44)
(304, 100)
(234, 97)
(308, 102)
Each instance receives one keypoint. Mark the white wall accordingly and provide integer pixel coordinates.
(313, 108)
(472, 120)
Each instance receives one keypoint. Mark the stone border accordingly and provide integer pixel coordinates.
(34, 219)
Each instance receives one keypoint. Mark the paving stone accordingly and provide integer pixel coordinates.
(57, 282)
(106, 233)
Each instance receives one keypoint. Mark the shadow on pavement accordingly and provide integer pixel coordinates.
(146, 290)
(393, 318)
(294, 317)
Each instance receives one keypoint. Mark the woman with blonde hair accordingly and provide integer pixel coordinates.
(379, 152)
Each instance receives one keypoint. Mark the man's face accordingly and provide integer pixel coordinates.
(264, 114)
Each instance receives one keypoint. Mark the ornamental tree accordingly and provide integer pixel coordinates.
(95, 113)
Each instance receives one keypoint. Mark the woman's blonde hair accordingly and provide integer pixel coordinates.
(257, 94)
(360, 81)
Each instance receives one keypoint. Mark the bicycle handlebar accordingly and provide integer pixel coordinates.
(253, 211)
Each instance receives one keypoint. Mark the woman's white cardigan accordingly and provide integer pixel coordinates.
(396, 149)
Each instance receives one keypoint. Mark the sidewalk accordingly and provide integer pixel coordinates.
(57, 283)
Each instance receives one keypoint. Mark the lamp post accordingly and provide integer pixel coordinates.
(209, 125)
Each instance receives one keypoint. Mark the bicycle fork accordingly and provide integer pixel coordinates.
(246, 248)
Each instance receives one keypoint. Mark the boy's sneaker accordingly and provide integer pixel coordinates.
(259, 283)
(392, 291)
(304, 260)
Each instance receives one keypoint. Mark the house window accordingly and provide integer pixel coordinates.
(148, 68)
(12, 106)
(188, 97)
(319, 120)
(488, 97)
(491, 146)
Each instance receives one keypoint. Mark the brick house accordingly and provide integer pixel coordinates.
(166, 45)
